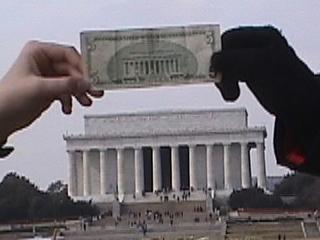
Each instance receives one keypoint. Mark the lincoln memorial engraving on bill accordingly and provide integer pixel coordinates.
(145, 156)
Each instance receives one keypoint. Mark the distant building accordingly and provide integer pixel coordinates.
(139, 156)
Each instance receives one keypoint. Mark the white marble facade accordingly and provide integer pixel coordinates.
(133, 155)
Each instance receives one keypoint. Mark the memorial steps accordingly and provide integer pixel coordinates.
(183, 212)
(182, 227)
(172, 206)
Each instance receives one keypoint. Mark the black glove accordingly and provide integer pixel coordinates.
(282, 83)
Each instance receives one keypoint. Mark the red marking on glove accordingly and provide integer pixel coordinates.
(295, 157)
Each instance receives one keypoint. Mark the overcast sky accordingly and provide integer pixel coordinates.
(40, 150)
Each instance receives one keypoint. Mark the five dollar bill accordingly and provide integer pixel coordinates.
(149, 57)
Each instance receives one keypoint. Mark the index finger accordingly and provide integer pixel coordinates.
(243, 46)
(252, 37)
(60, 53)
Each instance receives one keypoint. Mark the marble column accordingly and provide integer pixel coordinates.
(175, 164)
(120, 171)
(86, 173)
(210, 177)
(103, 174)
(262, 178)
(138, 171)
(72, 186)
(156, 167)
(227, 167)
(245, 166)
(192, 168)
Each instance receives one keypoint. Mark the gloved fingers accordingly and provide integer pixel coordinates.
(229, 90)
(252, 37)
(242, 64)
(246, 48)
(234, 65)
(262, 58)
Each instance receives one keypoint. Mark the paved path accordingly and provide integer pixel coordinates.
(213, 230)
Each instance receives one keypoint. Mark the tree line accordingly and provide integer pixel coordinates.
(304, 190)
(21, 200)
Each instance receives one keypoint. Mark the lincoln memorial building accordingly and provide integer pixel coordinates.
(139, 156)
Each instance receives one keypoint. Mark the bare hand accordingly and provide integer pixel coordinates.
(42, 73)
